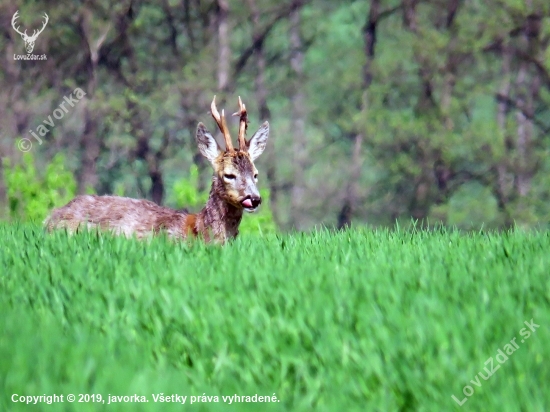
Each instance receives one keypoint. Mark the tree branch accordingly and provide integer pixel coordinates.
(511, 102)
(261, 36)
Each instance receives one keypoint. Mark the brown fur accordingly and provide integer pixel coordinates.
(234, 182)
(218, 220)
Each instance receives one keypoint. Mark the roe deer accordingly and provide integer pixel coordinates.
(233, 191)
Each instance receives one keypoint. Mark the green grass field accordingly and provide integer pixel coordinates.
(361, 320)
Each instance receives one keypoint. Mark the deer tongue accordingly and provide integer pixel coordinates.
(247, 203)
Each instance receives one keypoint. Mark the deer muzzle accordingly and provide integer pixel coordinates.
(251, 203)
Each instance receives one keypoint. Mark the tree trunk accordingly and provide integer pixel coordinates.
(409, 14)
(350, 201)
(524, 132)
(87, 179)
(224, 51)
(16, 121)
(143, 151)
(527, 85)
(264, 112)
(349, 204)
(297, 120)
(501, 189)
(157, 181)
(90, 144)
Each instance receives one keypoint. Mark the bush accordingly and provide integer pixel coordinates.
(32, 196)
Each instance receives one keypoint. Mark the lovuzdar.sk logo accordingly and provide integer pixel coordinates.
(29, 40)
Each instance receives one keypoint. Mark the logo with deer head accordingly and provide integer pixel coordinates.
(29, 40)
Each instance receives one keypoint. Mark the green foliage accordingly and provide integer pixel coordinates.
(260, 222)
(186, 191)
(435, 89)
(31, 195)
(187, 195)
(352, 320)
(471, 206)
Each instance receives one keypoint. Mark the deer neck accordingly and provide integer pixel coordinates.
(219, 218)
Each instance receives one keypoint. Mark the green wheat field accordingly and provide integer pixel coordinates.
(359, 320)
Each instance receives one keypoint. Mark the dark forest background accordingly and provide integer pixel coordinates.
(380, 111)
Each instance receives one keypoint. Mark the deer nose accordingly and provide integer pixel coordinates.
(251, 202)
(256, 201)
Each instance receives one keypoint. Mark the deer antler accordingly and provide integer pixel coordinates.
(37, 32)
(220, 120)
(13, 21)
(243, 124)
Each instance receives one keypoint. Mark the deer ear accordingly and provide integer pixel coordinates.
(207, 144)
(256, 144)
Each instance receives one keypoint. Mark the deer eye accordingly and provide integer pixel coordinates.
(255, 175)
(229, 176)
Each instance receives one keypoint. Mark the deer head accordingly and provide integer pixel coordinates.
(234, 168)
(29, 40)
